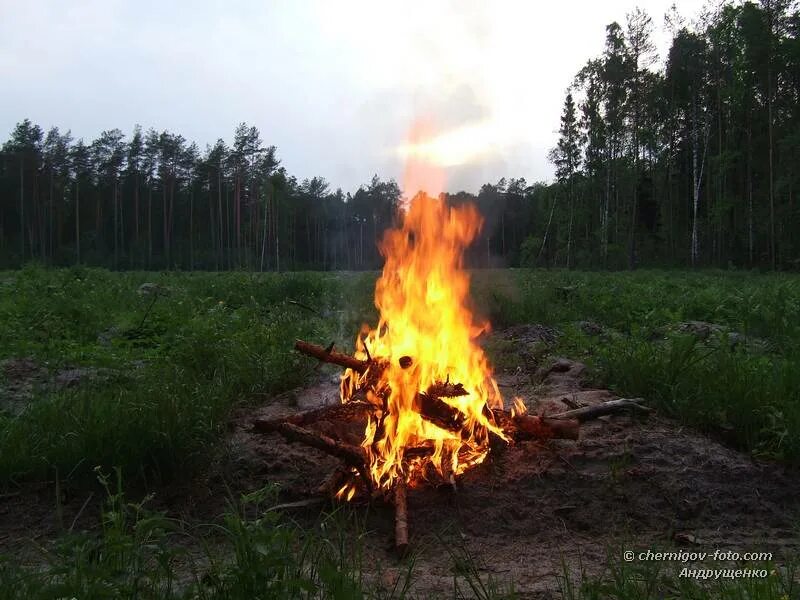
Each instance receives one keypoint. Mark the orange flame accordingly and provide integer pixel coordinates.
(425, 320)
(519, 407)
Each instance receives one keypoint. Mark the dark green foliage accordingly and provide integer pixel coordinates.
(176, 360)
(740, 384)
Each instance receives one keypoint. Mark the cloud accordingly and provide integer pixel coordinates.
(336, 86)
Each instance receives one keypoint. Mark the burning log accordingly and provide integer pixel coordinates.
(530, 427)
(334, 483)
(439, 412)
(400, 518)
(447, 390)
(331, 356)
(520, 427)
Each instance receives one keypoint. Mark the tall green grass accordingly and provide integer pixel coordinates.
(254, 552)
(747, 392)
(175, 361)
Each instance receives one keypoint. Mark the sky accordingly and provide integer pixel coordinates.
(344, 89)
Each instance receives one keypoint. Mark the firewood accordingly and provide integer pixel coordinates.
(348, 412)
(297, 504)
(439, 412)
(587, 413)
(334, 483)
(446, 390)
(400, 518)
(418, 452)
(518, 427)
(534, 427)
(333, 357)
(353, 456)
(529, 427)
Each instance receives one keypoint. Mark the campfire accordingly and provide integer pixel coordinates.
(419, 404)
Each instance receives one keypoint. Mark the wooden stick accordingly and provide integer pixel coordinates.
(443, 389)
(314, 501)
(336, 358)
(347, 413)
(529, 427)
(305, 306)
(533, 427)
(400, 518)
(353, 456)
(587, 413)
(335, 482)
(439, 412)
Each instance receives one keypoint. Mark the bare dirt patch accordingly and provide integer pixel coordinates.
(628, 481)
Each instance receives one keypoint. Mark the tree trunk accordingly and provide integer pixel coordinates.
(634, 199)
(50, 217)
(121, 201)
(164, 213)
(547, 229)
(77, 220)
(212, 232)
(264, 234)
(750, 236)
(277, 244)
(116, 222)
(220, 255)
(22, 208)
(569, 228)
(695, 185)
(150, 224)
(136, 207)
(604, 218)
(772, 253)
(191, 226)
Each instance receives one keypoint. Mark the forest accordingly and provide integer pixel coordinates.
(687, 160)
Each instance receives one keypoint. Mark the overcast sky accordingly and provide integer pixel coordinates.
(336, 85)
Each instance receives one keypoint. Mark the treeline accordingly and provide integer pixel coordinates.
(693, 163)
(155, 201)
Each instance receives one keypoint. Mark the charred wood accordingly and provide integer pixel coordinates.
(333, 357)
(353, 456)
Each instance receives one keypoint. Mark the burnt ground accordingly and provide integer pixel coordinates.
(628, 483)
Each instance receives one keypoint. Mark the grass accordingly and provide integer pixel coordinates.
(259, 553)
(174, 358)
(621, 580)
(256, 553)
(741, 383)
(177, 360)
